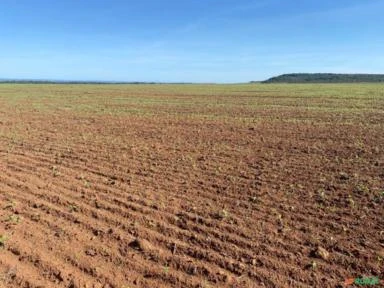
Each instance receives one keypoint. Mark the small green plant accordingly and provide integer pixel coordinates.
(86, 183)
(13, 219)
(73, 208)
(222, 214)
(55, 171)
(3, 239)
(313, 265)
(351, 201)
(321, 193)
(362, 189)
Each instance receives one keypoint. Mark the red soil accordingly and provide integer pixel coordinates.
(126, 201)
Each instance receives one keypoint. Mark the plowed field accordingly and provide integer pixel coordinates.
(191, 185)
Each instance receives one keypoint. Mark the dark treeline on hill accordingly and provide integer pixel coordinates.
(325, 78)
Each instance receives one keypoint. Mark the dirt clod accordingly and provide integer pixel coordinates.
(343, 176)
(141, 245)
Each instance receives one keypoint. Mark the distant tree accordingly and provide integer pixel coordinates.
(326, 78)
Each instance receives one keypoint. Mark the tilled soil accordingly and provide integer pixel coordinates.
(127, 200)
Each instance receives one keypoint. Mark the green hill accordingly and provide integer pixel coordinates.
(325, 78)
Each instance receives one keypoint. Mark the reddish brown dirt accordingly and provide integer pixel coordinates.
(129, 201)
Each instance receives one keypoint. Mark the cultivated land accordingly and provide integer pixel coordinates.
(191, 185)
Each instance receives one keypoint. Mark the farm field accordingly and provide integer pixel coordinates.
(247, 185)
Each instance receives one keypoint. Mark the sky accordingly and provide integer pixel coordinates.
(222, 41)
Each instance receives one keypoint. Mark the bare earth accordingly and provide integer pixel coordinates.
(207, 186)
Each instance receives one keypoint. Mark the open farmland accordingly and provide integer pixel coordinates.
(191, 185)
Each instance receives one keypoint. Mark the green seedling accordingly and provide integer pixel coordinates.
(313, 265)
(321, 193)
(351, 201)
(13, 219)
(73, 208)
(223, 214)
(362, 189)
(3, 239)
(55, 171)
(86, 183)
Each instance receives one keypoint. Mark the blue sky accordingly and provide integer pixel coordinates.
(188, 40)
